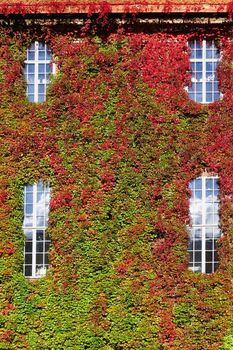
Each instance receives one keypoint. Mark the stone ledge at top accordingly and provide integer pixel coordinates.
(89, 7)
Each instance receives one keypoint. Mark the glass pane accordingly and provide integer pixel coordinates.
(197, 267)
(32, 47)
(209, 244)
(47, 244)
(28, 221)
(41, 98)
(39, 247)
(209, 67)
(29, 188)
(198, 53)
(190, 247)
(40, 186)
(28, 247)
(41, 55)
(197, 256)
(41, 89)
(209, 256)
(48, 54)
(40, 221)
(39, 235)
(31, 78)
(31, 98)
(39, 258)
(46, 259)
(41, 78)
(30, 89)
(209, 232)
(209, 54)
(198, 245)
(29, 198)
(215, 256)
(198, 194)
(216, 232)
(48, 68)
(41, 68)
(28, 258)
(199, 87)
(28, 270)
(31, 55)
(209, 87)
(216, 96)
(40, 270)
(29, 209)
(31, 67)
(209, 98)
(41, 45)
(28, 235)
(197, 233)
(198, 66)
(208, 268)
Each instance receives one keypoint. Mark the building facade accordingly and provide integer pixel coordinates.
(116, 175)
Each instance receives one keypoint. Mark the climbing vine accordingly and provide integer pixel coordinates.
(119, 140)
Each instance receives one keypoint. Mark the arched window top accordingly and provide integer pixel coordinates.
(36, 210)
(204, 231)
(38, 69)
(204, 60)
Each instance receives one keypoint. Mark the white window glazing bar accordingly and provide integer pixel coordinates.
(204, 59)
(204, 232)
(36, 208)
(38, 68)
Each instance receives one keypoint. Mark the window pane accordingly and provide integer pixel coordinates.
(39, 246)
(28, 235)
(31, 55)
(29, 209)
(204, 59)
(28, 258)
(41, 98)
(28, 270)
(41, 55)
(209, 244)
(39, 235)
(31, 98)
(204, 212)
(209, 268)
(198, 245)
(31, 68)
(35, 244)
(28, 247)
(41, 89)
(39, 258)
(31, 78)
(37, 66)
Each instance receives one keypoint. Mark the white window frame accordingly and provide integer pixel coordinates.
(33, 229)
(207, 207)
(36, 62)
(204, 60)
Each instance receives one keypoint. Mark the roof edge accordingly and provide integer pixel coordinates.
(109, 7)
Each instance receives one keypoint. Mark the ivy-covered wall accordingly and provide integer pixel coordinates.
(119, 140)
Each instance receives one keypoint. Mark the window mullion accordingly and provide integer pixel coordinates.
(34, 232)
(204, 71)
(203, 224)
(36, 70)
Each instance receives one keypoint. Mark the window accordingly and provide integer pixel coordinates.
(36, 209)
(38, 68)
(204, 59)
(204, 232)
